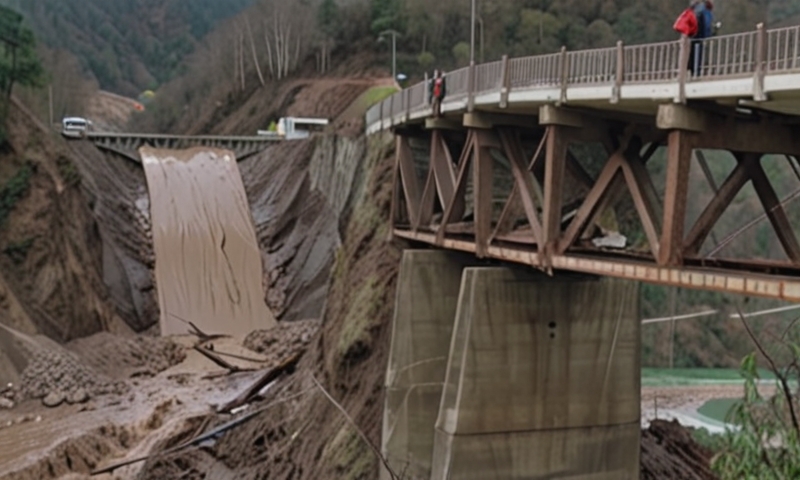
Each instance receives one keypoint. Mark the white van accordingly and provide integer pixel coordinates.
(75, 126)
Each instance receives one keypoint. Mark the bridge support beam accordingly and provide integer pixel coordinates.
(542, 379)
(682, 124)
(427, 296)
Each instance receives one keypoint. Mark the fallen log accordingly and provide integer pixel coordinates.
(220, 361)
(268, 377)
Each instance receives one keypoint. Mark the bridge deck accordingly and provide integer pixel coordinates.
(760, 68)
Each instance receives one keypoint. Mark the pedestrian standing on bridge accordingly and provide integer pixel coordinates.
(705, 29)
(437, 91)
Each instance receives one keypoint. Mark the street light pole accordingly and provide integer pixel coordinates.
(394, 35)
(472, 36)
(394, 55)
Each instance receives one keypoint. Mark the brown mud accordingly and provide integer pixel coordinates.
(208, 264)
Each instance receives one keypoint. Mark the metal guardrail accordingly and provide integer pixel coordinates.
(754, 54)
(730, 56)
(655, 62)
(783, 49)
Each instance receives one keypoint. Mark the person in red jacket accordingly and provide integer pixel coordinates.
(437, 91)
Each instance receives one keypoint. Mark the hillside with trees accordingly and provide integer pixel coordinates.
(126, 45)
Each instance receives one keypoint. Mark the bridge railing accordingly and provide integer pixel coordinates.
(655, 62)
(458, 82)
(588, 67)
(727, 56)
(783, 49)
(541, 70)
(488, 76)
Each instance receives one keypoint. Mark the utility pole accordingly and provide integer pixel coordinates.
(50, 97)
(394, 35)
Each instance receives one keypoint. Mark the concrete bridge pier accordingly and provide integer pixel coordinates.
(427, 297)
(542, 379)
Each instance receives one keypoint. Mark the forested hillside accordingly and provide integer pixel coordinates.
(437, 33)
(128, 45)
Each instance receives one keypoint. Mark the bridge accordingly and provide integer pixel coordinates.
(128, 144)
(500, 370)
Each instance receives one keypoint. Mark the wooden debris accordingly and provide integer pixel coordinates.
(268, 377)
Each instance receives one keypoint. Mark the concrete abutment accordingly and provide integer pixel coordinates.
(542, 374)
(427, 296)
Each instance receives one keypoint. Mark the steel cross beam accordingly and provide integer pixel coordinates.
(506, 203)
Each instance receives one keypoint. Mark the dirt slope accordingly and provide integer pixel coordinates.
(50, 250)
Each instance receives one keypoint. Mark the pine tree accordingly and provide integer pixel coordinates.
(387, 14)
(19, 63)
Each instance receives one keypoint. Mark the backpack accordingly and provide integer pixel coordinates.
(686, 23)
(437, 88)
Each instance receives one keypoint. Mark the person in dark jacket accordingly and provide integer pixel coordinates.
(704, 11)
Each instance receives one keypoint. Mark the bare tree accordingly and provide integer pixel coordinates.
(285, 27)
(241, 60)
(253, 50)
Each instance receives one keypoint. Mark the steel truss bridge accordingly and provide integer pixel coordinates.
(502, 171)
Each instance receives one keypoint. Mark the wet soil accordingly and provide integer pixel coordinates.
(208, 264)
(163, 396)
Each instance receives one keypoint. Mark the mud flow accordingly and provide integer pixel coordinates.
(208, 265)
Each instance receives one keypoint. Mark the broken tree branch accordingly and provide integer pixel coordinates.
(268, 377)
(220, 361)
(787, 392)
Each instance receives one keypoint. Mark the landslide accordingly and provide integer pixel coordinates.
(310, 438)
(50, 246)
(298, 193)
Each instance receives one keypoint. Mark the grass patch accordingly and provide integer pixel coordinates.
(375, 95)
(367, 99)
(662, 377)
(352, 457)
(718, 408)
(365, 302)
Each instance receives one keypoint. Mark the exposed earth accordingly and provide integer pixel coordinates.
(92, 385)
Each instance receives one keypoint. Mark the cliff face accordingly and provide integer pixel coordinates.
(298, 193)
(50, 247)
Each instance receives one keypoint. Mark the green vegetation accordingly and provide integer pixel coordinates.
(526, 27)
(375, 95)
(19, 62)
(718, 409)
(766, 444)
(661, 377)
(127, 46)
(14, 189)
(364, 304)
